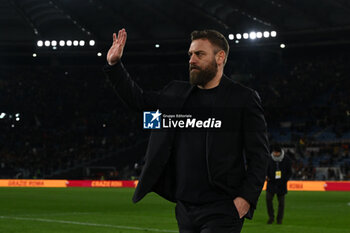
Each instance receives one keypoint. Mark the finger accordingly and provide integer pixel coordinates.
(124, 36)
(119, 34)
(114, 38)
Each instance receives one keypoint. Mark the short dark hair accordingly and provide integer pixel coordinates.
(214, 37)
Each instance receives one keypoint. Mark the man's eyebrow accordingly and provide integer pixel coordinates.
(196, 51)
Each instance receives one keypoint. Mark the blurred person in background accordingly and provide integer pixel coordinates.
(214, 177)
(279, 170)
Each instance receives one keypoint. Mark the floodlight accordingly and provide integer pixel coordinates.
(252, 35)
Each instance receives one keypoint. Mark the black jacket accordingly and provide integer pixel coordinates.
(236, 156)
(278, 186)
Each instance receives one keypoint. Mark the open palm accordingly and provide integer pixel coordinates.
(116, 51)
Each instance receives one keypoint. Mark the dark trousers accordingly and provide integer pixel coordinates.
(216, 217)
(270, 211)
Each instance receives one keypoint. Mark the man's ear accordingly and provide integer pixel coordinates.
(220, 57)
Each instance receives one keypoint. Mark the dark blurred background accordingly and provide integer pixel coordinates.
(59, 118)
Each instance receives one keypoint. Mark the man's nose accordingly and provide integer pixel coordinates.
(193, 60)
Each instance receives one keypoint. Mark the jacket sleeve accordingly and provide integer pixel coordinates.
(256, 149)
(129, 92)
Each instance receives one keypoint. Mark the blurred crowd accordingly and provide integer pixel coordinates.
(57, 117)
(320, 162)
(308, 97)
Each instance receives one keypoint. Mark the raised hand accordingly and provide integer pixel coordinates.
(115, 53)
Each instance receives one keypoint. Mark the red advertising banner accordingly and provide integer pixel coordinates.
(337, 186)
(103, 183)
(79, 183)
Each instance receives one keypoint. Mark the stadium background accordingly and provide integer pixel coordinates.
(59, 119)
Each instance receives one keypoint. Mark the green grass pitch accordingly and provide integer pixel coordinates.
(96, 210)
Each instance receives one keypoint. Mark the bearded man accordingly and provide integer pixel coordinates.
(214, 175)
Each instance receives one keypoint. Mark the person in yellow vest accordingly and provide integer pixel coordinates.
(279, 171)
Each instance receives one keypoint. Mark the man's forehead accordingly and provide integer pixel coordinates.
(200, 45)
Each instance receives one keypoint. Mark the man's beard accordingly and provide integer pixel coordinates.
(202, 76)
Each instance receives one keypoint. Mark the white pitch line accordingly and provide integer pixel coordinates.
(87, 224)
(52, 214)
